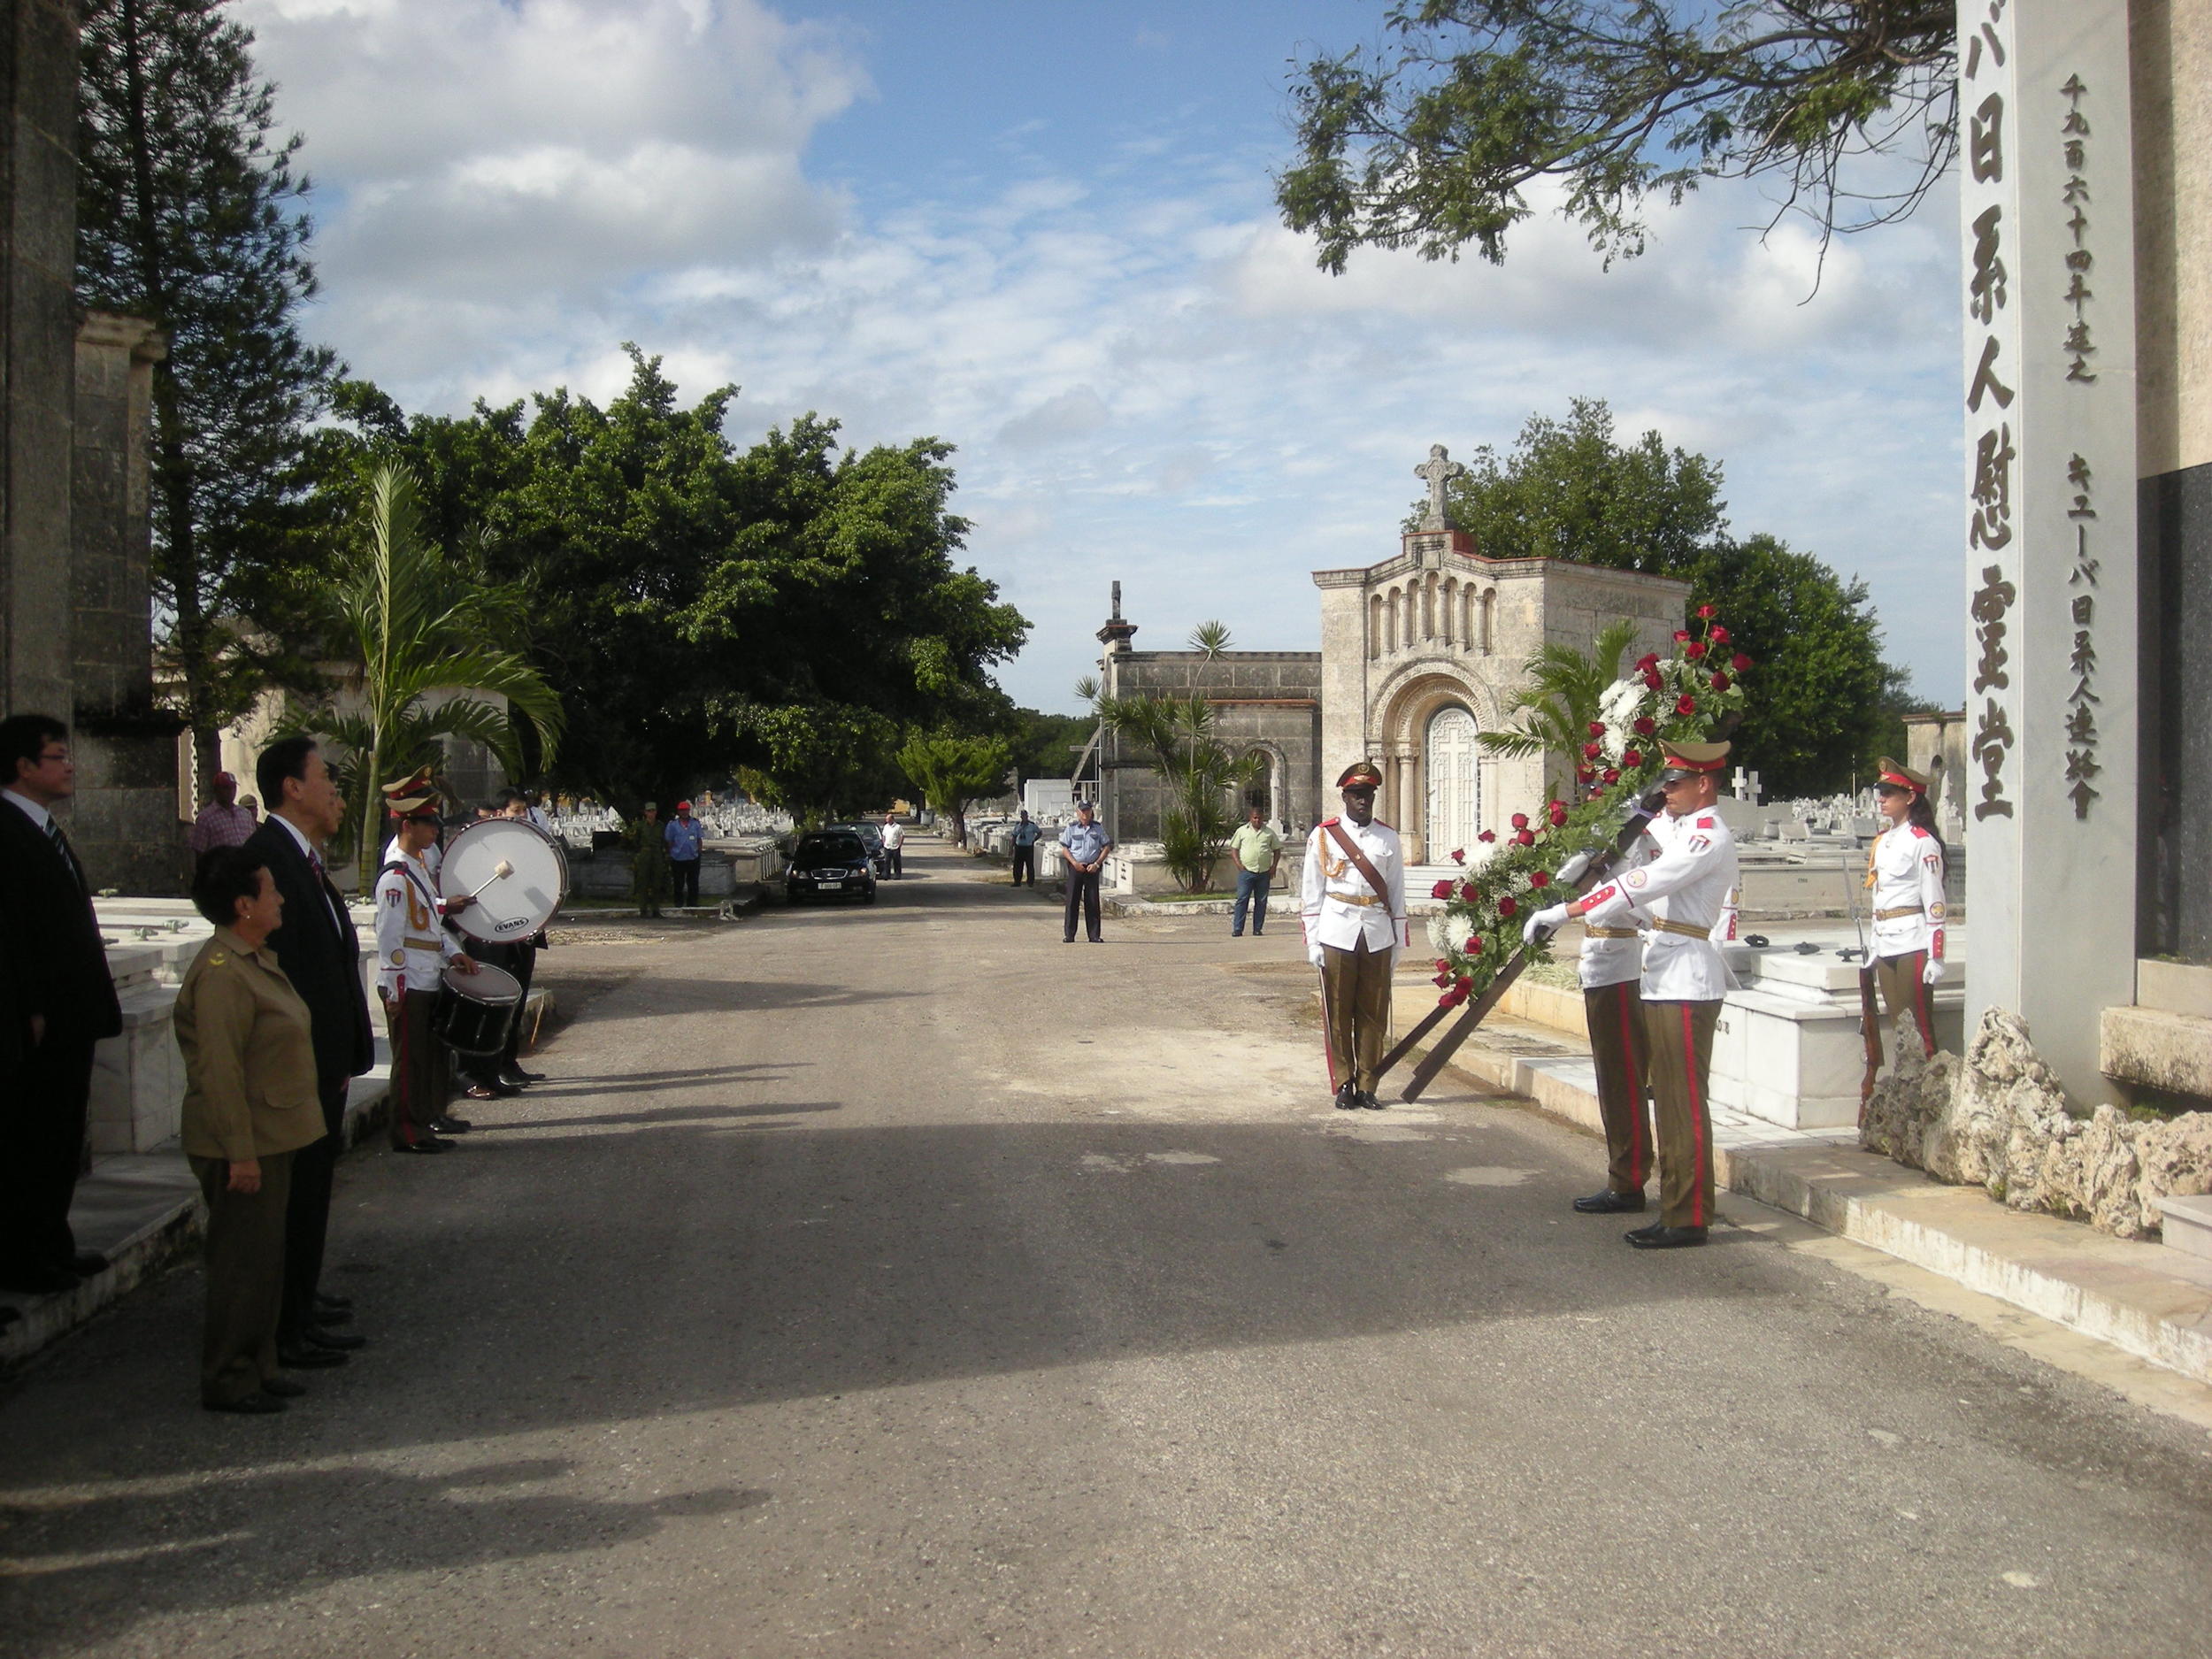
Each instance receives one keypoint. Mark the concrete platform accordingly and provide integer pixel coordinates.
(2148, 1300)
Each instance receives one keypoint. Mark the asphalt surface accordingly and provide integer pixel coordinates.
(900, 1280)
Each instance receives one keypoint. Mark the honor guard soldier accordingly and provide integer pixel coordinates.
(1352, 904)
(1905, 874)
(1611, 969)
(412, 949)
(1681, 900)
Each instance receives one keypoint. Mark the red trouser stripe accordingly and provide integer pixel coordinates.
(401, 1069)
(1638, 1153)
(1923, 1000)
(1697, 1116)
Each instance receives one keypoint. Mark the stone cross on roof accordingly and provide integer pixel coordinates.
(1439, 470)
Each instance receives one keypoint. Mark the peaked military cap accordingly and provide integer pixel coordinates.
(1691, 760)
(1361, 774)
(412, 796)
(1903, 777)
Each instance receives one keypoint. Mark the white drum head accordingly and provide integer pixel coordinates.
(488, 985)
(513, 906)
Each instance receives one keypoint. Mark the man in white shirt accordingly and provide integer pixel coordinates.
(1679, 899)
(1352, 904)
(895, 843)
(413, 951)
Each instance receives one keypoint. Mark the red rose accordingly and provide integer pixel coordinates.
(1705, 610)
(1597, 728)
(1520, 820)
(1584, 773)
(1652, 681)
(1467, 891)
(1646, 727)
(1649, 661)
(1538, 879)
(1441, 890)
(1464, 985)
(1525, 839)
(1591, 751)
(1487, 835)
(1451, 999)
(1681, 634)
(1685, 704)
(1695, 649)
(1507, 906)
(1444, 966)
(1742, 662)
(1633, 757)
(1720, 682)
(1612, 774)
(1718, 634)
(1442, 979)
(1558, 814)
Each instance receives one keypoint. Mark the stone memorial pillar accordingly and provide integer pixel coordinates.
(2049, 391)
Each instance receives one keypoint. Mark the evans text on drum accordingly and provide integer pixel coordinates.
(510, 907)
(474, 1009)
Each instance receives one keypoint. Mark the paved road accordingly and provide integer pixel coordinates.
(903, 1281)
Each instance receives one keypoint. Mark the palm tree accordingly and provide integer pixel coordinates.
(1561, 699)
(1199, 771)
(422, 621)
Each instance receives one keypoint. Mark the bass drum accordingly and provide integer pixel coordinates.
(507, 908)
(474, 1009)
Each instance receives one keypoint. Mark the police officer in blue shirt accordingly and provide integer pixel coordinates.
(1084, 845)
(685, 836)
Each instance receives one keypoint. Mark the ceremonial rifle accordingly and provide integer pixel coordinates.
(1870, 1020)
(1589, 876)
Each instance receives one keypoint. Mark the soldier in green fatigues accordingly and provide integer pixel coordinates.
(648, 862)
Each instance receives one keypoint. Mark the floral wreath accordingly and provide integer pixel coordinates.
(1678, 699)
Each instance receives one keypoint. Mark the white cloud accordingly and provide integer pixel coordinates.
(1146, 376)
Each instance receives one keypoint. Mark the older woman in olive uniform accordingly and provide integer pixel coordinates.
(251, 1102)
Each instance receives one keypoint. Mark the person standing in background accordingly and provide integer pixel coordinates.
(1905, 870)
(63, 1002)
(649, 861)
(685, 839)
(222, 822)
(1084, 845)
(1026, 837)
(895, 843)
(1258, 851)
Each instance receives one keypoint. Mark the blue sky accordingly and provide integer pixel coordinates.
(1044, 232)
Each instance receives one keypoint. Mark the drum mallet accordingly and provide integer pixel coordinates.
(500, 872)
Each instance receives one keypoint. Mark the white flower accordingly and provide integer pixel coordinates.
(1625, 700)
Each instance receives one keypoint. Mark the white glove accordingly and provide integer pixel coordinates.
(1313, 954)
(1931, 972)
(1572, 870)
(1547, 921)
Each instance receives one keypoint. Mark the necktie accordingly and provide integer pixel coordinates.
(61, 849)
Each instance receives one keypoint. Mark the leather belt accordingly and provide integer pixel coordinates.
(420, 944)
(1589, 932)
(1363, 900)
(1688, 930)
(1902, 909)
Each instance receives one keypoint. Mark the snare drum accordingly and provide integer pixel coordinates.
(474, 1009)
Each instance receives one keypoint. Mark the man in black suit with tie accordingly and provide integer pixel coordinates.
(60, 1001)
(316, 947)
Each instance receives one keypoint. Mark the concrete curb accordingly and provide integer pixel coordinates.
(2144, 1299)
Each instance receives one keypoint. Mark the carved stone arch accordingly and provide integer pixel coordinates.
(1272, 793)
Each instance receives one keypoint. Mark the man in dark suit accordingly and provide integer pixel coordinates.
(316, 948)
(60, 1001)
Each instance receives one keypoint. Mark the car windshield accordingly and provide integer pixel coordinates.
(843, 848)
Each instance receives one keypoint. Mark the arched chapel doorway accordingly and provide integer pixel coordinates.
(1455, 780)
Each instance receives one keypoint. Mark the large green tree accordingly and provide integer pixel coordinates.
(788, 608)
(1432, 139)
(1568, 489)
(188, 213)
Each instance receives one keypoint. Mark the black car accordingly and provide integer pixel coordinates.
(871, 838)
(830, 864)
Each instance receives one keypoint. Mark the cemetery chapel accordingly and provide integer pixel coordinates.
(1418, 654)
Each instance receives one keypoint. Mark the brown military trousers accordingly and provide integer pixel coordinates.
(1619, 1049)
(1356, 1011)
(1680, 1036)
(1899, 980)
(245, 1277)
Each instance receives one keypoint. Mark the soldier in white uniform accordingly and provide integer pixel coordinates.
(1904, 873)
(412, 948)
(1352, 904)
(1611, 969)
(1681, 899)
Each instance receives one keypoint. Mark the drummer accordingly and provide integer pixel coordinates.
(412, 953)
